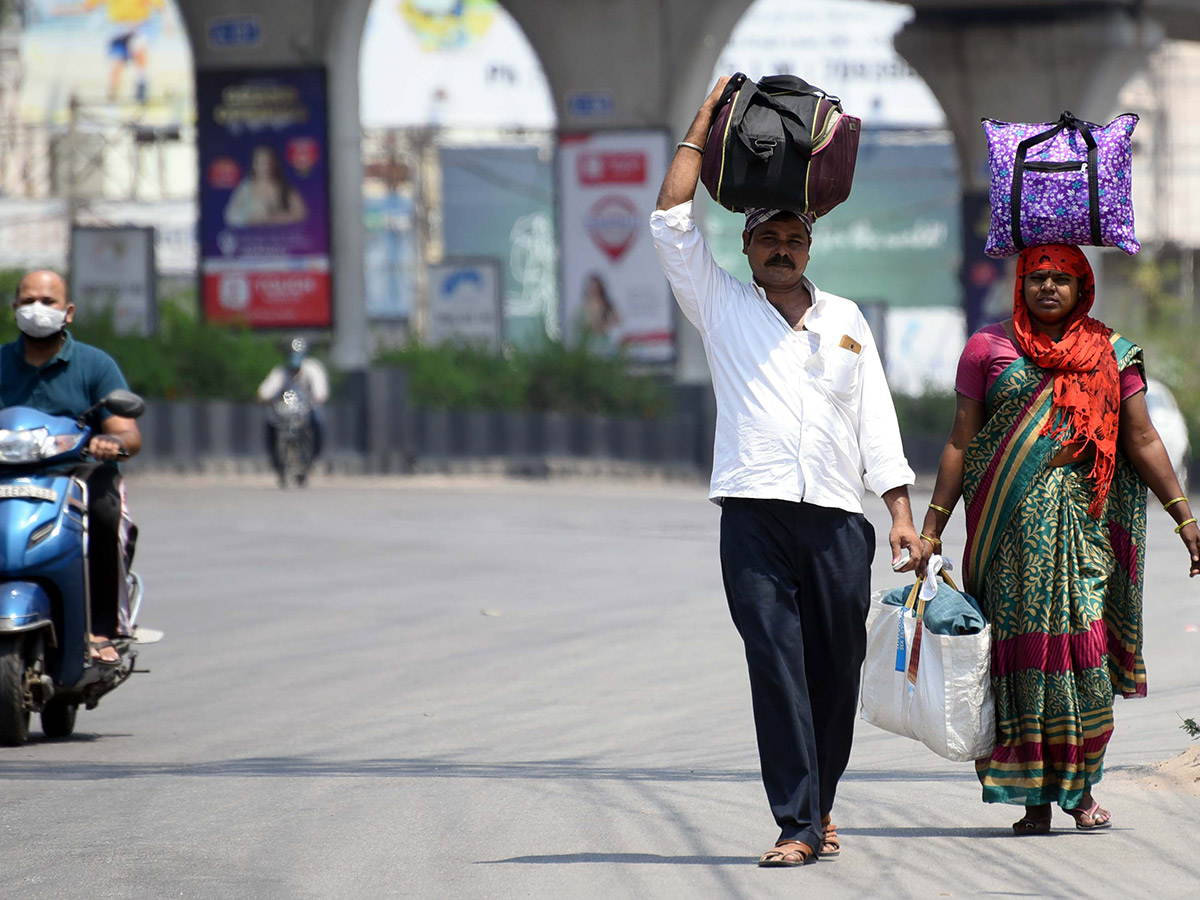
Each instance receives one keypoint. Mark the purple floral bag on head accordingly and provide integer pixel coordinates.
(1064, 182)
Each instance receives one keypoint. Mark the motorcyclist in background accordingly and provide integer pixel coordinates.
(48, 370)
(303, 373)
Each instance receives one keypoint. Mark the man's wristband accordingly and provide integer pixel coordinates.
(690, 146)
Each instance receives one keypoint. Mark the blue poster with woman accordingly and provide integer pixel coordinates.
(264, 197)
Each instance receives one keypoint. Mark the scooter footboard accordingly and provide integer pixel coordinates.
(25, 606)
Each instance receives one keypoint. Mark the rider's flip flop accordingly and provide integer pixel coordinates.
(97, 659)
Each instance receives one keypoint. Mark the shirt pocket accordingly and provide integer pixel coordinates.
(840, 372)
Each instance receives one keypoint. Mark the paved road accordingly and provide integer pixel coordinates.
(411, 689)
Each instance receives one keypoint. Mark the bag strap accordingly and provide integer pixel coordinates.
(913, 601)
(763, 144)
(798, 85)
(736, 80)
(1066, 120)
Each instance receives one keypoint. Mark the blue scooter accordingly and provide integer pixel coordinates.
(45, 609)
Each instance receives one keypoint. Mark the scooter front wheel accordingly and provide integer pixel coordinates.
(58, 719)
(14, 707)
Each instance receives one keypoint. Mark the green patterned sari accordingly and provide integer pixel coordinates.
(1062, 591)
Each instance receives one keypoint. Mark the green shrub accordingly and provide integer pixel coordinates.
(929, 414)
(549, 377)
(187, 359)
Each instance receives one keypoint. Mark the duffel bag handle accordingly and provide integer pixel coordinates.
(763, 145)
(797, 85)
(732, 86)
(1066, 120)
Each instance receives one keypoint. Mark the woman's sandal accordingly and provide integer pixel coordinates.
(788, 853)
(831, 848)
(1028, 824)
(1101, 818)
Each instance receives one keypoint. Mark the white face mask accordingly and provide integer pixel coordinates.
(40, 321)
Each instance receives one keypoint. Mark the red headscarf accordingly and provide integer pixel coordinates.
(1087, 390)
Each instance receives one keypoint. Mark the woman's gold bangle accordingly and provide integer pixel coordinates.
(1171, 503)
(1184, 524)
(940, 509)
(932, 540)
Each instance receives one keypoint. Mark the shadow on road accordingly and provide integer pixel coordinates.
(300, 767)
(654, 858)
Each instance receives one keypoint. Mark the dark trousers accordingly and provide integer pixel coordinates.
(798, 581)
(316, 419)
(111, 539)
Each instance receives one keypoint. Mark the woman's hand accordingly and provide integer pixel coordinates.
(928, 548)
(1190, 535)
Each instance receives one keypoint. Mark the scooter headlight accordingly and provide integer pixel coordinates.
(22, 446)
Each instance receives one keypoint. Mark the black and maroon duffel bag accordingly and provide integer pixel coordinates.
(782, 144)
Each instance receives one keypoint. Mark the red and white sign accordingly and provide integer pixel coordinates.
(612, 168)
(612, 223)
(614, 294)
(268, 299)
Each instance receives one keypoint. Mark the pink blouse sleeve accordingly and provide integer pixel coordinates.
(1132, 381)
(972, 368)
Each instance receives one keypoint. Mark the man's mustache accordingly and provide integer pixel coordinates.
(781, 261)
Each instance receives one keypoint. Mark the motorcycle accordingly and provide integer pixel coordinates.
(291, 418)
(45, 610)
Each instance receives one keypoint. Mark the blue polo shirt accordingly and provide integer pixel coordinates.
(75, 379)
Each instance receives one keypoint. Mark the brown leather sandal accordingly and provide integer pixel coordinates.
(831, 847)
(788, 853)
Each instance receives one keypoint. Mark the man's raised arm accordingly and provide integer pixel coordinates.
(679, 185)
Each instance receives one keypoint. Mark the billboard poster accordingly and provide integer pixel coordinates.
(464, 303)
(499, 201)
(896, 240)
(112, 270)
(264, 197)
(389, 256)
(462, 63)
(614, 294)
(129, 57)
(843, 46)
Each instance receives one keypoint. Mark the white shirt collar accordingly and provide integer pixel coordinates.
(814, 312)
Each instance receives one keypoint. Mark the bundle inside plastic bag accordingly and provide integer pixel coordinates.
(926, 674)
(953, 613)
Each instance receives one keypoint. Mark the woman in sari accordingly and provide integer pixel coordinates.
(1052, 450)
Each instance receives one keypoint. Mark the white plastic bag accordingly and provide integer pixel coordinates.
(944, 697)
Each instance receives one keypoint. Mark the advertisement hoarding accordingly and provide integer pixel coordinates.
(112, 270)
(614, 294)
(264, 197)
(464, 303)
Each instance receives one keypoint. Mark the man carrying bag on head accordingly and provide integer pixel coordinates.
(805, 423)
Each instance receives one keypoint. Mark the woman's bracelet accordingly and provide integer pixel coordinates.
(935, 541)
(690, 146)
(1184, 524)
(940, 509)
(1171, 503)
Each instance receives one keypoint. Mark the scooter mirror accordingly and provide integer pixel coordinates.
(124, 403)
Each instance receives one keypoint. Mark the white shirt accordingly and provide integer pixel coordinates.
(801, 415)
(311, 377)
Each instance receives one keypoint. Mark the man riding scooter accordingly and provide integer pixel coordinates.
(304, 377)
(48, 370)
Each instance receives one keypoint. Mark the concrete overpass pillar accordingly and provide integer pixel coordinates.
(651, 59)
(1025, 66)
(310, 33)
